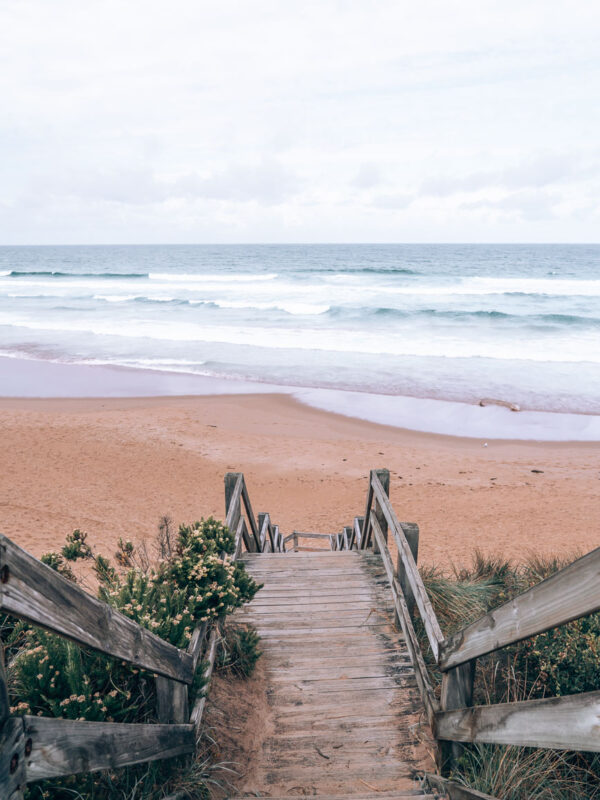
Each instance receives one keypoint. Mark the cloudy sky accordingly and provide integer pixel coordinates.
(289, 121)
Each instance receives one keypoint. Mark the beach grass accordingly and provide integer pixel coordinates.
(561, 661)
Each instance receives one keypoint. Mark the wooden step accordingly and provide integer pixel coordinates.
(343, 700)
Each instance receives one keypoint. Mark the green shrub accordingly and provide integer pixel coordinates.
(52, 677)
(239, 650)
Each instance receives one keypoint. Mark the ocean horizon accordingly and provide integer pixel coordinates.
(382, 327)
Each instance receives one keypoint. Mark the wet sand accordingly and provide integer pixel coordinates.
(113, 466)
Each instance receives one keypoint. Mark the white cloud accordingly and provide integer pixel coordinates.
(268, 120)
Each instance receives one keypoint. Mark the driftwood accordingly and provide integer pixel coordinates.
(489, 401)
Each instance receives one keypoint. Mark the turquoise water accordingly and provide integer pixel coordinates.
(449, 322)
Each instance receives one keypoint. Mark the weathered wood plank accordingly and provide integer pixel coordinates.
(211, 652)
(4, 699)
(411, 531)
(67, 747)
(427, 694)
(457, 692)
(314, 674)
(434, 632)
(12, 758)
(31, 590)
(250, 514)
(239, 538)
(568, 594)
(366, 532)
(234, 482)
(561, 723)
(171, 701)
(383, 478)
(357, 531)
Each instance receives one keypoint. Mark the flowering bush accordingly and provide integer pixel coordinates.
(195, 581)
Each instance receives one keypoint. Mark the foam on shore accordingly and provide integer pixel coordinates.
(36, 378)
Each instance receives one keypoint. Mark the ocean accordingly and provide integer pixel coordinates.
(451, 323)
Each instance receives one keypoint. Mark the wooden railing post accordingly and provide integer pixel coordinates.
(12, 744)
(411, 531)
(171, 701)
(457, 692)
(384, 477)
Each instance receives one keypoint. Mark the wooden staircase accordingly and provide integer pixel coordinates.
(347, 718)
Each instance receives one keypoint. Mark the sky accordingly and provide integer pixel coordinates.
(288, 121)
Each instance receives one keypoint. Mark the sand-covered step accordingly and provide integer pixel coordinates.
(266, 622)
(393, 795)
(345, 775)
(342, 694)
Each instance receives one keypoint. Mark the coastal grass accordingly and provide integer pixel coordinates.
(562, 661)
(171, 591)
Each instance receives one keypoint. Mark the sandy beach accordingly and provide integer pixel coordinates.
(112, 467)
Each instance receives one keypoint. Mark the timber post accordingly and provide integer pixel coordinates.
(384, 478)
(411, 532)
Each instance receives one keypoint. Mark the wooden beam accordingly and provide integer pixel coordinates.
(359, 524)
(366, 533)
(347, 535)
(250, 514)
(411, 531)
(239, 538)
(568, 594)
(12, 758)
(33, 591)
(171, 701)
(4, 699)
(67, 747)
(428, 617)
(559, 723)
(383, 478)
(264, 527)
(457, 692)
(234, 482)
(211, 652)
(412, 644)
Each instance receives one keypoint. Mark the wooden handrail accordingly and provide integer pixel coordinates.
(569, 722)
(432, 627)
(250, 514)
(67, 747)
(571, 593)
(232, 501)
(425, 688)
(33, 591)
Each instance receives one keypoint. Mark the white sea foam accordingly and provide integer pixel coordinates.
(205, 277)
(420, 344)
(115, 298)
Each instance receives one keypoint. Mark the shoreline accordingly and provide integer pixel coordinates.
(31, 378)
(113, 466)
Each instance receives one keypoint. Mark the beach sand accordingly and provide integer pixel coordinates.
(112, 467)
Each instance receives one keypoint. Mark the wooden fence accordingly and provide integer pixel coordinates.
(33, 748)
(566, 723)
